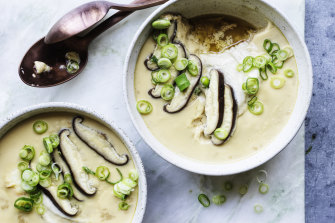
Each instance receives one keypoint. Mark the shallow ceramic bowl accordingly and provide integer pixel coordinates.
(28, 112)
(255, 12)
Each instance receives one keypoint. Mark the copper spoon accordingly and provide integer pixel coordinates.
(62, 38)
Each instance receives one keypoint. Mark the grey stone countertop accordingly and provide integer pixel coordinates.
(320, 122)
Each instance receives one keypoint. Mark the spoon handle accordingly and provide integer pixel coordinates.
(117, 17)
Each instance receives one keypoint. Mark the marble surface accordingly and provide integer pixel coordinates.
(320, 122)
(172, 192)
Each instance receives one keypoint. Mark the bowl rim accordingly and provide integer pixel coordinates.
(213, 171)
(16, 117)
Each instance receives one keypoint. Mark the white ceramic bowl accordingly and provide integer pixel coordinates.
(28, 112)
(254, 12)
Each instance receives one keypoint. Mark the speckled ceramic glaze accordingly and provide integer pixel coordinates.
(28, 112)
(255, 12)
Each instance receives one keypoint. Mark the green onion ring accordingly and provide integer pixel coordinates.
(261, 176)
(248, 63)
(252, 85)
(263, 73)
(282, 55)
(258, 208)
(144, 107)
(123, 206)
(56, 169)
(228, 186)
(275, 48)
(167, 92)
(252, 100)
(48, 145)
(256, 108)
(271, 67)
(23, 165)
(64, 191)
(54, 138)
(180, 64)
(221, 133)
(263, 188)
(72, 66)
(243, 189)
(260, 61)
(277, 82)
(164, 63)
(133, 174)
(68, 178)
(289, 73)
(163, 76)
(192, 68)
(121, 178)
(40, 126)
(44, 174)
(204, 200)
(162, 40)
(40, 209)
(27, 153)
(102, 173)
(45, 182)
(239, 67)
(44, 159)
(267, 45)
(24, 204)
(169, 51)
(219, 199)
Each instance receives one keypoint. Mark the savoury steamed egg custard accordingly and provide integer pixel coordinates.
(60, 167)
(214, 88)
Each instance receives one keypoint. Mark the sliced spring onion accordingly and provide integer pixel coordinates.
(163, 76)
(102, 173)
(260, 61)
(282, 55)
(36, 196)
(40, 168)
(123, 206)
(239, 67)
(278, 63)
(243, 189)
(162, 40)
(144, 107)
(164, 63)
(258, 208)
(56, 169)
(45, 182)
(271, 67)
(88, 170)
(40, 127)
(275, 48)
(133, 174)
(44, 174)
(129, 182)
(169, 51)
(263, 188)
(182, 82)
(252, 100)
(161, 24)
(30, 177)
(23, 165)
(256, 108)
(68, 178)
(27, 188)
(167, 92)
(248, 63)
(74, 56)
(267, 45)
(54, 140)
(180, 64)
(123, 188)
(289, 50)
(263, 73)
(72, 66)
(204, 81)
(221, 133)
(154, 77)
(27, 153)
(261, 176)
(204, 200)
(40, 209)
(64, 191)
(48, 145)
(121, 178)
(228, 185)
(289, 73)
(192, 68)
(219, 199)
(44, 159)
(24, 204)
(252, 85)
(118, 194)
(277, 82)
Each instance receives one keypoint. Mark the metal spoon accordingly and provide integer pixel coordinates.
(62, 39)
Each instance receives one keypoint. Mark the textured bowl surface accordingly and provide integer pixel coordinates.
(28, 112)
(256, 12)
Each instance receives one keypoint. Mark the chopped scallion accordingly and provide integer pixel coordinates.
(40, 127)
(144, 107)
(219, 199)
(204, 200)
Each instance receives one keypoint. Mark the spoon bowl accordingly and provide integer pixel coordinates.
(62, 38)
